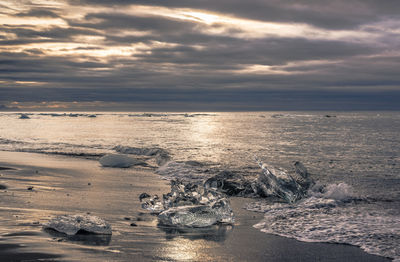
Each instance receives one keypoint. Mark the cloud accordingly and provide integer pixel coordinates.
(38, 13)
(338, 14)
(232, 55)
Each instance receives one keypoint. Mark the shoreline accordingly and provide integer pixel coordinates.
(63, 184)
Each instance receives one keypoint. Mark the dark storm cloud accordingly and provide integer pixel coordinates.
(53, 34)
(338, 14)
(38, 13)
(143, 23)
(271, 51)
(172, 63)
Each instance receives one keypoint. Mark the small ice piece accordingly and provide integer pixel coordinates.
(24, 116)
(154, 205)
(116, 160)
(198, 215)
(143, 195)
(72, 224)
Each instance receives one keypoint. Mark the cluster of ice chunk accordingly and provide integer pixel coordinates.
(72, 224)
(272, 182)
(190, 205)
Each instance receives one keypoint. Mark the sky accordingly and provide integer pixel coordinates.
(199, 55)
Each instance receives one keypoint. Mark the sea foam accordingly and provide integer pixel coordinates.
(335, 216)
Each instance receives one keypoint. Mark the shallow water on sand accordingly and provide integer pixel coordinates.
(361, 150)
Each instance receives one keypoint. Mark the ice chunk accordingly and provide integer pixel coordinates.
(143, 195)
(190, 205)
(24, 116)
(230, 183)
(72, 224)
(154, 204)
(302, 176)
(198, 215)
(279, 183)
(117, 160)
(161, 155)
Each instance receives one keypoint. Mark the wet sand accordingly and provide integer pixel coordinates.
(38, 187)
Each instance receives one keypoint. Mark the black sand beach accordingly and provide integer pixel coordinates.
(39, 186)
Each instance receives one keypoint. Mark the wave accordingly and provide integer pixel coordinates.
(335, 216)
(58, 148)
(95, 151)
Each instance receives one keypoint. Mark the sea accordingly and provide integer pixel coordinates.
(354, 155)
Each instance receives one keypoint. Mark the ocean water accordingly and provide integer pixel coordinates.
(356, 154)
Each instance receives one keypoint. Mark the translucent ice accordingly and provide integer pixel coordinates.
(116, 160)
(229, 183)
(72, 224)
(161, 155)
(280, 183)
(190, 205)
(154, 204)
(198, 215)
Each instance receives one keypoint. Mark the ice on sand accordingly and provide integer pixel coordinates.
(198, 215)
(190, 205)
(72, 224)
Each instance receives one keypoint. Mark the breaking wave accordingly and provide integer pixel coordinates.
(335, 215)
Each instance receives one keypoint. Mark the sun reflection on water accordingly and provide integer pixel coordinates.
(206, 133)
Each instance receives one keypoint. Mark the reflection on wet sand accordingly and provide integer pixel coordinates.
(191, 244)
(82, 237)
(217, 233)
